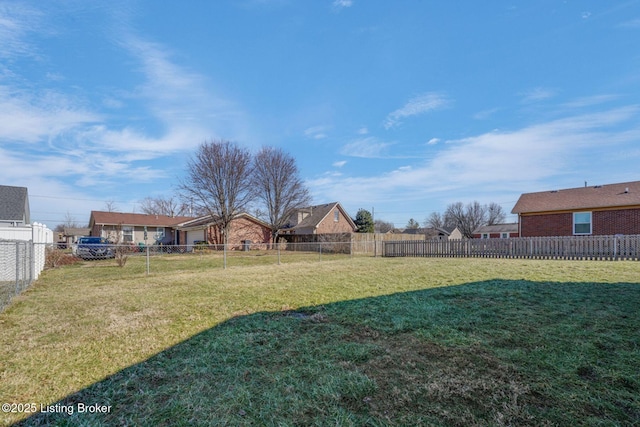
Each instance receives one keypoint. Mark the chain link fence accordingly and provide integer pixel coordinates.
(20, 263)
(246, 248)
(200, 255)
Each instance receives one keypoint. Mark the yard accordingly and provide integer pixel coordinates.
(347, 341)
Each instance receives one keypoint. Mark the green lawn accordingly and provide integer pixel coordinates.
(349, 341)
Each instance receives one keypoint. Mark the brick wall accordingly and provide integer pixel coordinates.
(241, 229)
(625, 221)
(609, 222)
(330, 226)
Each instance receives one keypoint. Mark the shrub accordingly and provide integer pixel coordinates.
(55, 258)
(122, 254)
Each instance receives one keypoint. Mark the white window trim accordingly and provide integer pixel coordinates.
(336, 215)
(127, 231)
(485, 236)
(590, 224)
(504, 235)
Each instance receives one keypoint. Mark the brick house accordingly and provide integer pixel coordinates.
(496, 231)
(130, 227)
(329, 218)
(597, 210)
(208, 230)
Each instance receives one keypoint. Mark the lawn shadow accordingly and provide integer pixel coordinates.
(498, 352)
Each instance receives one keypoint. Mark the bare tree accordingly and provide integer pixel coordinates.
(476, 216)
(277, 184)
(382, 226)
(218, 181)
(495, 214)
(169, 206)
(435, 220)
(468, 218)
(111, 206)
(455, 215)
(69, 222)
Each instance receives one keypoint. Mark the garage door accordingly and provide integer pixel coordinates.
(195, 236)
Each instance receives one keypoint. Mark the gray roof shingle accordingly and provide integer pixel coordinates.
(14, 203)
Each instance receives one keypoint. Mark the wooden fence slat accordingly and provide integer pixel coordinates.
(618, 247)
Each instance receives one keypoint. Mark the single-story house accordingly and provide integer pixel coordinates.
(14, 206)
(69, 236)
(496, 231)
(432, 233)
(120, 227)
(448, 233)
(424, 231)
(329, 218)
(595, 210)
(207, 229)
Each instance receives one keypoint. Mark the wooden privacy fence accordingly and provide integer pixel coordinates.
(354, 243)
(619, 247)
(373, 243)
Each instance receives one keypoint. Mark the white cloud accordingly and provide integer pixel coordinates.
(418, 105)
(631, 24)
(16, 21)
(590, 101)
(29, 118)
(181, 98)
(433, 141)
(316, 132)
(341, 4)
(537, 94)
(503, 162)
(485, 114)
(69, 141)
(363, 131)
(339, 164)
(369, 147)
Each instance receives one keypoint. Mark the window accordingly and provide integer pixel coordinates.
(485, 235)
(336, 215)
(127, 234)
(504, 235)
(582, 223)
(159, 233)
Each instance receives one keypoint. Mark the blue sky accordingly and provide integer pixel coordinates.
(397, 106)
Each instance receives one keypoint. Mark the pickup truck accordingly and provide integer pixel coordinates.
(92, 248)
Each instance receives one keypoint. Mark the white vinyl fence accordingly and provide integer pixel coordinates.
(22, 258)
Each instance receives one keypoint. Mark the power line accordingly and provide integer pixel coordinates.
(76, 198)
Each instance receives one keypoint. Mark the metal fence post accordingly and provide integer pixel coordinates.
(17, 268)
(278, 244)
